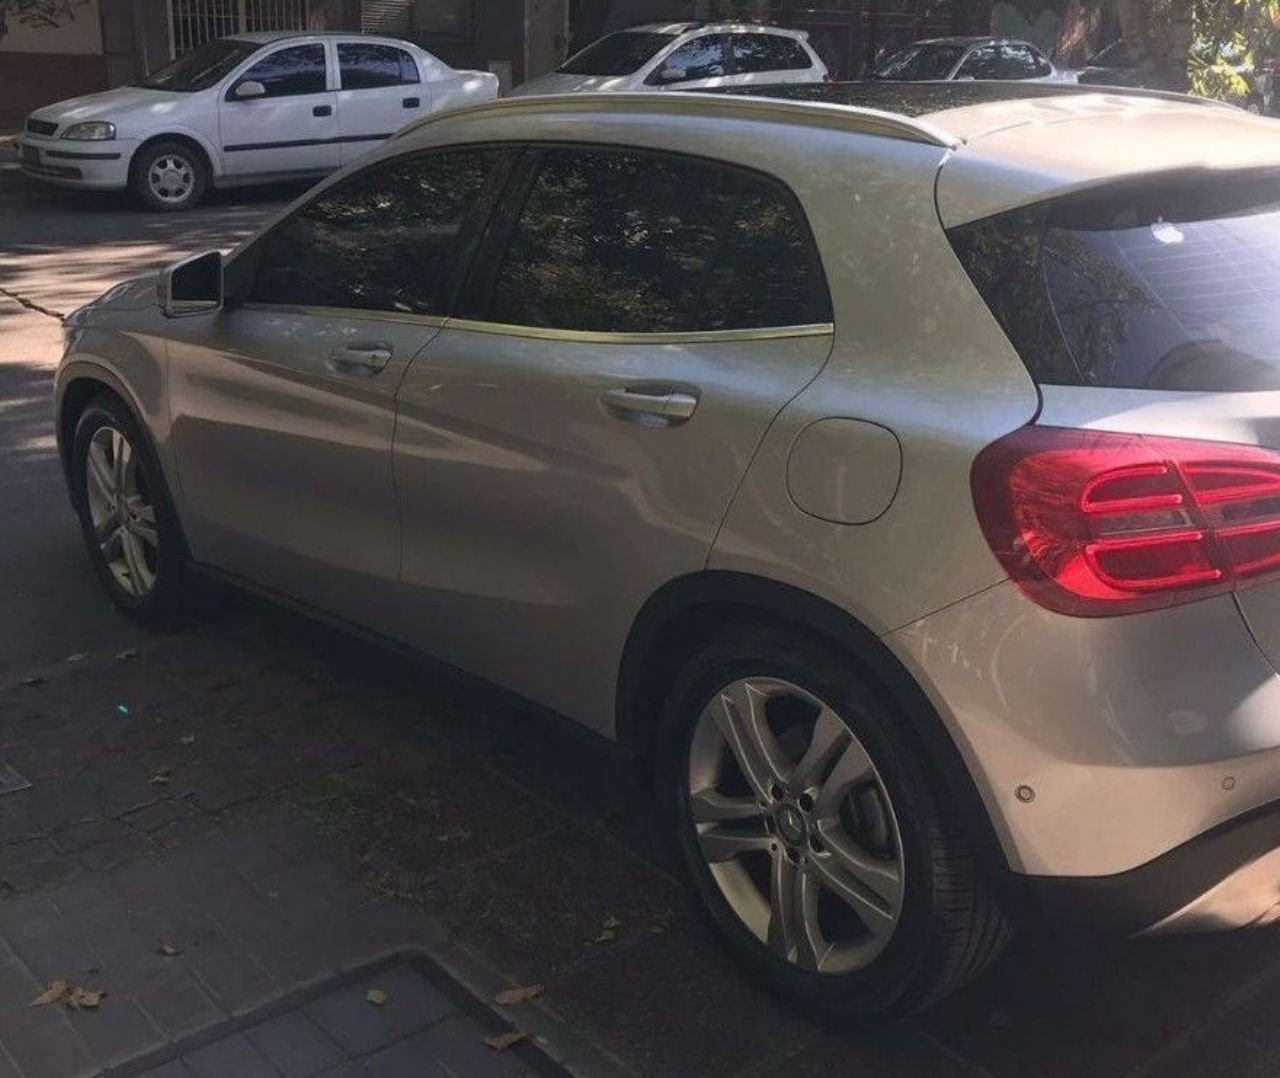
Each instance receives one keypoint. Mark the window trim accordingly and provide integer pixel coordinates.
(476, 298)
(243, 264)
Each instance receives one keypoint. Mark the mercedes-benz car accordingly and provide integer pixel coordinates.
(246, 109)
(894, 476)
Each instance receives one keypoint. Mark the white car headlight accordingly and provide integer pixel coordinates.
(94, 131)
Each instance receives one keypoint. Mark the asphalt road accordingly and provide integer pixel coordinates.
(568, 843)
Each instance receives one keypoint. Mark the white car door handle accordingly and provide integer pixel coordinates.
(363, 360)
(670, 404)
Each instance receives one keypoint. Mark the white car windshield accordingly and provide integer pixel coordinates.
(622, 53)
(202, 67)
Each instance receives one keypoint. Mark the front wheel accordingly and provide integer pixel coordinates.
(129, 526)
(814, 836)
(169, 176)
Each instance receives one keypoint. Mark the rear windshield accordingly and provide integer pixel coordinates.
(622, 53)
(1169, 285)
(917, 62)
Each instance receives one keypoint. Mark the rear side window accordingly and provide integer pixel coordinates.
(364, 66)
(1168, 285)
(629, 242)
(387, 239)
(298, 69)
(767, 52)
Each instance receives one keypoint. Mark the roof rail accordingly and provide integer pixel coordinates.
(809, 113)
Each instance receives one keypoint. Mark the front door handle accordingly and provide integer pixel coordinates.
(361, 360)
(411, 102)
(664, 404)
(322, 110)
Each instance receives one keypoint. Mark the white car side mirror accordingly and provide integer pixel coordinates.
(249, 88)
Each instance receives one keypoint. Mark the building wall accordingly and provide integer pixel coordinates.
(40, 63)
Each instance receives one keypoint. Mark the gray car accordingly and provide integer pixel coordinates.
(900, 489)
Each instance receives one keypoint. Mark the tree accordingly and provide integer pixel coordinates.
(47, 14)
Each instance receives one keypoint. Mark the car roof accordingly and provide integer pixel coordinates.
(728, 25)
(998, 145)
(268, 37)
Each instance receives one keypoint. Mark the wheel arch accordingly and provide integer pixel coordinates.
(685, 613)
(187, 139)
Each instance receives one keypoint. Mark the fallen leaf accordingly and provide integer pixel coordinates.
(187, 739)
(376, 996)
(87, 999)
(607, 936)
(55, 991)
(78, 657)
(612, 922)
(509, 997)
(160, 776)
(32, 681)
(503, 1041)
(128, 653)
(169, 950)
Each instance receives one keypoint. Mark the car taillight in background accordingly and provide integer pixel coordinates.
(1094, 523)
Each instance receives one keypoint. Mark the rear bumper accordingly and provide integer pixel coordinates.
(101, 166)
(1229, 877)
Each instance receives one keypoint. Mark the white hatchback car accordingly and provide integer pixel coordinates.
(244, 109)
(687, 55)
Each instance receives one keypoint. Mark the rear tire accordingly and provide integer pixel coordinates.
(169, 176)
(126, 515)
(888, 910)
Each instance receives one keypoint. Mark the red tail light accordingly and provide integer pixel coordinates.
(1093, 523)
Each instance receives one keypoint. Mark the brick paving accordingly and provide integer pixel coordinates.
(320, 806)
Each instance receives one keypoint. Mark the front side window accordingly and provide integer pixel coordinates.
(1157, 285)
(983, 63)
(701, 58)
(387, 239)
(915, 63)
(623, 53)
(364, 66)
(299, 69)
(629, 242)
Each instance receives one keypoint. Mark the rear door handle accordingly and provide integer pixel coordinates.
(411, 102)
(322, 110)
(655, 402)
(361, 360)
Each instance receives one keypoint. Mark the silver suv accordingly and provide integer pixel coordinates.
(890, 473)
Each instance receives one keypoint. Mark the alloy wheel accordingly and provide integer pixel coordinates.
(795, 825)
(171, 178)
(121, 511)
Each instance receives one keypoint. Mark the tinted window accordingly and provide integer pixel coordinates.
(201, 68)
(623, 53)
(1028, 62)
(767, 52)
(295, 70)
(388, 239)
(983, 63)
(916, 62)
(616, 241)
(701, 58)
(366, 65)
(1159, 286)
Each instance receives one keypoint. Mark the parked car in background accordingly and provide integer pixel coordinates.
(244, 109)
(871, 477)
(1113, 66)
(983, 58)
(684, 55)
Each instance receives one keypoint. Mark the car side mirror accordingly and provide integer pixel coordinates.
(248, 89)
(192, 286)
